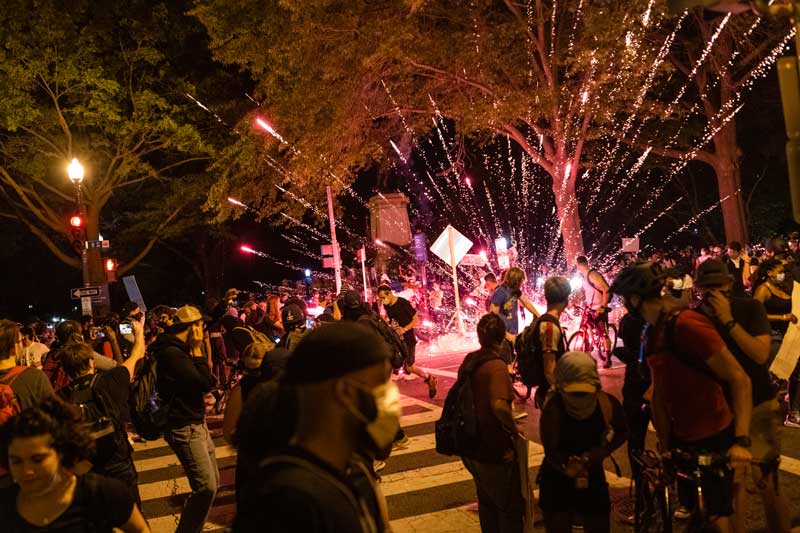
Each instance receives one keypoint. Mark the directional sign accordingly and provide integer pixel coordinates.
(461, 245)
(97, 245)
(84, 292)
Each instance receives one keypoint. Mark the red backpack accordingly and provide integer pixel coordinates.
(9, 405)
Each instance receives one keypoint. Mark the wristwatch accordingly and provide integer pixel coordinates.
(743, 441)
(730, 325)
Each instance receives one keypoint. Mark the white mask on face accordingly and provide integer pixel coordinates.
(384, 426)
(780, 277)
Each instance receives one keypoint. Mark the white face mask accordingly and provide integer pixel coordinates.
(384, 426)
(780, 277)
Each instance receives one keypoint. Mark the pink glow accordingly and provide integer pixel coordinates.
(246, 249)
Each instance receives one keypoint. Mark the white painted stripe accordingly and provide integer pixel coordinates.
(166, 461)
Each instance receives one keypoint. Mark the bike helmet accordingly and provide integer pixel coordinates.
(643, 278)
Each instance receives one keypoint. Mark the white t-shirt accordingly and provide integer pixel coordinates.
(32, 355)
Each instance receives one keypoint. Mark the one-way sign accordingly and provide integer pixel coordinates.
(84, 292)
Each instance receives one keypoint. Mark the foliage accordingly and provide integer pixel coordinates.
(102, 82)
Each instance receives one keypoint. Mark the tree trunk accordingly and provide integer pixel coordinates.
(569, 219)
(729, 183)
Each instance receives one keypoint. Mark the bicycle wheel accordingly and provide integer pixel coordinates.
(603, 356)
(517, 382)
(579, 341)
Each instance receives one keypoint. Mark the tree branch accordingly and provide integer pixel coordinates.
(517, 136)
(149, 246)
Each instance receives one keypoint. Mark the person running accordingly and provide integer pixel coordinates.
(580, 426)
(501, 507)
(113, 454)
(403, 318)
(692, 371)
(41, 447)
(742, 322)
(505, 303)
(345, 403)
(184, 378)
(596, 295)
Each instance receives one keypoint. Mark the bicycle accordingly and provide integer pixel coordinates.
(652, 511)
(591, 334)
(237, 372)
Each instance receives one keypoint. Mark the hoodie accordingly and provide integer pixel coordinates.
(183, 381)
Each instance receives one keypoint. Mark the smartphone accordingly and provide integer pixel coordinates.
(125, 329)
(309, 322)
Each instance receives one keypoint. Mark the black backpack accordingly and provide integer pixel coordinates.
(148, 410)
(99, 417)
(457, 429)
(530, 358)
(397, 346)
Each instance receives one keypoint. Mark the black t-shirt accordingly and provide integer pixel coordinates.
(298, 492)
(98, 505)
(403, 313)
(114, 385)
(752, 316)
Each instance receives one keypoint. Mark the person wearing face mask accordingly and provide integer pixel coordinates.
(184, 378)
(347, 408)
(580, 426)
(701, 397)
(41, 447)
(742, 322)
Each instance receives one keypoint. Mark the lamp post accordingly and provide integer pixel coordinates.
(75, 173)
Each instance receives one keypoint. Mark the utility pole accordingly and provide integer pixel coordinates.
(337, 259)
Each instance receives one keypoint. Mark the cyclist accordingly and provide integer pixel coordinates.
(505, 303)
(551, 340)
(692, 371)
(742, 322)
(595, 294)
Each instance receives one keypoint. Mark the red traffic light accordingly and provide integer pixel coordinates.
(111, 265)
(76, 221)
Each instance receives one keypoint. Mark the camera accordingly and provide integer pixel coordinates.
(125, 328)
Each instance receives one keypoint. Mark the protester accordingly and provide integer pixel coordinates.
(184, 378)
(494, 468)
(505, 303)
(489, 285)
(252, 358)
(32, 351)
(347, 403)
(692, 371)
(580, 426)
(738, 263)
(108, 392)
(743, 325)
(595, 296)
(293, 319)
(550, 341)
(67, 332)
(41, 447)
(29, 384)
(403, 318)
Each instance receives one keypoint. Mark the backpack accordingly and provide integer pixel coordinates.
(530, 358)
(149, 411)
(98, 414)
(397, 346)
(9, 403)
(244, 336)
(457, 429)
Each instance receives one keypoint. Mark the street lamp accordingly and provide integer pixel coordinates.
(75, 173)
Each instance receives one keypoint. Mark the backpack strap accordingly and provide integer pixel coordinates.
(13, 374)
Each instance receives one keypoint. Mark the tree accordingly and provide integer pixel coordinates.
(338, 79)
(96, 81)
(718, 58)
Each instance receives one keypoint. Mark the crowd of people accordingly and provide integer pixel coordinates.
(312, 405)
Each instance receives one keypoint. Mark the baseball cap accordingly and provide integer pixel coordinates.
(334, 351)
(352, 299)
(292, 314)
(577, 372)
(189, 314)
(711, 273)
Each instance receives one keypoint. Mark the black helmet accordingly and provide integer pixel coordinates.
(777, 245)
(643, 278)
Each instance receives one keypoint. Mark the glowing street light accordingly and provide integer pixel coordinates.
(246, 249)
(75, 171)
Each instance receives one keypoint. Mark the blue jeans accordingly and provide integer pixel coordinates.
(195, 450)
(501, 508)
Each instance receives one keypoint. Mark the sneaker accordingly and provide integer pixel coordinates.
(401, 444)
(431, 381)
(377, 466)
(792, 420)
(682, 513)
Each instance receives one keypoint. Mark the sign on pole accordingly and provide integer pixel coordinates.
(362, 257)
(85, 292)
(473, 260)
(86, 305)
(451, 247)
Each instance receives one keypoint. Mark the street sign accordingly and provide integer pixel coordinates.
(362, 254)
(420, 250)
(473, 260)
(84, 292)
(461, 245)
(327, 250)
(327, 262)
(97, 245)
(86, 306)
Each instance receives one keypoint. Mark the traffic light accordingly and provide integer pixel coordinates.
(111, 269)
(76, 221)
